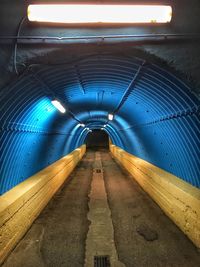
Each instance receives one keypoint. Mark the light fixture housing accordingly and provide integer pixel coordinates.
(110, 116)
(99, 13)
(58, 105)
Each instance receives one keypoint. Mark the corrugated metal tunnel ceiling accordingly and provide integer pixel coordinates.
(156, 115)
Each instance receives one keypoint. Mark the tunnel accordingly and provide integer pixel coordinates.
(130, 95)
(161, 105)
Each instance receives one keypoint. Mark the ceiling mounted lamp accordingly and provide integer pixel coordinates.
(58, 106)
(110, 116)
(87, 129)
(91, 13)
(81, 124)
(105, 125)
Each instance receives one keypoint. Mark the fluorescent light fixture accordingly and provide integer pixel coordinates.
(91, 13)
(90, 131)
(81, 124)
(110, 116)
(105, 125)
(87, 128)
(58, 105)
(102, 129)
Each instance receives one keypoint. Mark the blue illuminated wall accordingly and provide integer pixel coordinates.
(158, 119)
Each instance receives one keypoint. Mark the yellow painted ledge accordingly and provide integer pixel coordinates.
(20, 206)
(178, 199)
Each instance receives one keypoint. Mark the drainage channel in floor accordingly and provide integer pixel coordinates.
(100, 237)
(101, 261)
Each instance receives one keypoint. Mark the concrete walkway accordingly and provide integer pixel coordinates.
(102, 211)
(57, 237)
(144, 235)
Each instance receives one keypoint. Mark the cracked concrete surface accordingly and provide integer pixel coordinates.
(57, 237)
(144, 235)
(137, 232)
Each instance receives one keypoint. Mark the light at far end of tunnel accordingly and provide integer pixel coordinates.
(58, 105)
(84, 13)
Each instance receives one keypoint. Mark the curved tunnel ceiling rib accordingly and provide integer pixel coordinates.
(157, 115)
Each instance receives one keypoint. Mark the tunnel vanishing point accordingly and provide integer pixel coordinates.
(135, 86)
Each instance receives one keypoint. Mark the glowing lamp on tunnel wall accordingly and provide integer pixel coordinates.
(110, 116)
(58, 105)
(91, 13)
(105, 125)
(82, 124)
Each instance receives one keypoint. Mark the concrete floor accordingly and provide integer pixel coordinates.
(142, 235)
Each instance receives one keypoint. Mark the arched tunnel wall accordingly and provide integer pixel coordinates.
(166, 128)
(156, 115)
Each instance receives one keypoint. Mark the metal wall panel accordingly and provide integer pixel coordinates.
(158, 120)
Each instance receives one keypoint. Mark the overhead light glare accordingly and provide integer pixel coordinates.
(82, 124)
(58, 105)
(88, 13)
(110, 116)
(87, 128)
(105, 125)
